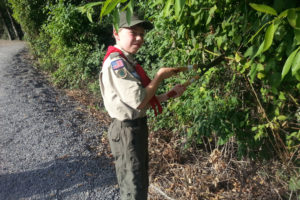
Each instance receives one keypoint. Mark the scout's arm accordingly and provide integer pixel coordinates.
(176, 91)
(162, 97)
(151, 88)
(179, 89)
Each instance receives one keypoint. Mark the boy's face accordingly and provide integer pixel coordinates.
(130, 39)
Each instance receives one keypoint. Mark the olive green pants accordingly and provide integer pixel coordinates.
(129, 145)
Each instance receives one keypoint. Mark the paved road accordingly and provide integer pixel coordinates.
(44, 138)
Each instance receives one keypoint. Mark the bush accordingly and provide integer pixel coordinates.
(242, 98)
(30, 15)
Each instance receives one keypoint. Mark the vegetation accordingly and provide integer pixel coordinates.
(248, 105)
(9, 29)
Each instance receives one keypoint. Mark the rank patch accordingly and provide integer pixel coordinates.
(117, 64)
(122, 73)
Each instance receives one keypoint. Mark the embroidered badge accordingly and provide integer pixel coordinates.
(117, 64)
(122, 73)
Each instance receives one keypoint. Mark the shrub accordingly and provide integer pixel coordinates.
(244, 97)
(74, 46)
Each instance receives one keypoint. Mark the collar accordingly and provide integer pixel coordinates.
(129, 56)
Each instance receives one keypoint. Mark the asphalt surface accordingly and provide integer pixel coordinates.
(45, 138)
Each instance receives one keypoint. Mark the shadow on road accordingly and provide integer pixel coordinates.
(58, 179)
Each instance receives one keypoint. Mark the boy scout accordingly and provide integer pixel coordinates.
(127, 93)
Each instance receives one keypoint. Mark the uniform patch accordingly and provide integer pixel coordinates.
(117, 64)
(122, 73)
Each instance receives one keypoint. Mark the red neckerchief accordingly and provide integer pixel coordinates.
(144, 78)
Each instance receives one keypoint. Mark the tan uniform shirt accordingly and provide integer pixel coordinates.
(121, 88)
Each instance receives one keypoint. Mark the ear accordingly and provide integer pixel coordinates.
(116, 35)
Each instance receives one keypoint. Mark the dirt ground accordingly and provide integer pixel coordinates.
(7, 42)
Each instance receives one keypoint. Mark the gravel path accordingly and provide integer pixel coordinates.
(44, 141)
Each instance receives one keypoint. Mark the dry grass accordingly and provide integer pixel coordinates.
(92, 103)
(194, 175)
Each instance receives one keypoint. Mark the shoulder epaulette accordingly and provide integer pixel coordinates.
(114, 55)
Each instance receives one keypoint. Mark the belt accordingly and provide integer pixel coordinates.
(134, 122)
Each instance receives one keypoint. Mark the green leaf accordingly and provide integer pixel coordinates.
(211, 13)
(219, 41)
(221, 141)
(253, 73)
(90, 5)
(259, 134)
(260, 29)
(179, 5)
(281, 96)
(296, 64)
(261, 75)
(106, 3)
(294, 184)
(254, 128)
(129, 11)
(264, 8)
(116, 19)
(260, 67)
(281, 117)
(156, 3)
(87, 6)
(131, 5)
(288, 63)
(88, 9)
(128, 16)
(111, 6)
(260, 50)
(292, 17)
(125, 7)
(249, 52)
(237, 57)
(246, 66)
(297, 34)
(283, 14)
(89, 16)
(167, 10)
(269, 37)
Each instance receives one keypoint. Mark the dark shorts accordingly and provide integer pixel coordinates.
(129, 145)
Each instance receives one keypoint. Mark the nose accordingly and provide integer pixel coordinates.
(139, 37)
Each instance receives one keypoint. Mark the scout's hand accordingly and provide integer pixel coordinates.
(166, 72)
(177, 91)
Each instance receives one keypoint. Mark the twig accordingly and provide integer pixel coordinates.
(291, 194)
(216, 54)
(278, 194)
(160, 192)
(294, 100)
(278, 141)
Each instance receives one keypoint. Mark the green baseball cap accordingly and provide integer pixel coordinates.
(134, 21)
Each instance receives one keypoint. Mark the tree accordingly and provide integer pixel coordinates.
(10, 25)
